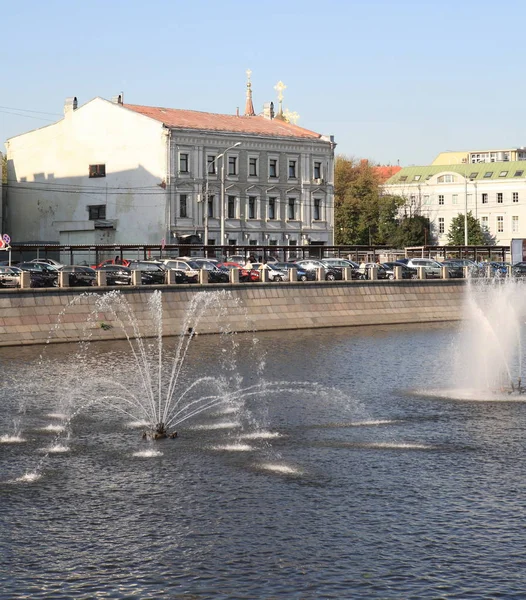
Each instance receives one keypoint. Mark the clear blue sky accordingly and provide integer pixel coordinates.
(390, 80)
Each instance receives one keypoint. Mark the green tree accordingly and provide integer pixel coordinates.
(411, 231)
(476, 237)
(363, 215)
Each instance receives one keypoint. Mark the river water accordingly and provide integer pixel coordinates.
(367, 486)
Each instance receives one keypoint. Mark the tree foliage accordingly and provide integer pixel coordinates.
(365, 215)
(476, 235)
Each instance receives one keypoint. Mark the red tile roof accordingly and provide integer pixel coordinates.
(192, 119)
(384, 173)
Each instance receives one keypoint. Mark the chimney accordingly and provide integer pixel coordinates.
(268, 110)
(70, 105)
(118, 99)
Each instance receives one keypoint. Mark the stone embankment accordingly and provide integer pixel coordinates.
(34, 316)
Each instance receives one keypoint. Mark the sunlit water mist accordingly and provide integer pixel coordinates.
(489, 362)
(160, 381)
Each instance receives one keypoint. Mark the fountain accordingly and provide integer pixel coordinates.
(490, 356)
(151, 391)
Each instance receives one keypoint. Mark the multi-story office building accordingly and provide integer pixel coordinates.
(116, 173)
(493, 191)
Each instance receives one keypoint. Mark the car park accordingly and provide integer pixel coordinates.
(273, 273)
(329, 273)
(366, 268)
(432, 268)
(42, 275)
(48, 261)
(461, 264)
(189, 268)
(151, 273)
(407, 272)
(116, 274)
(343, 263)
(215, 274)
(9, 277)
(79, 276)
(301, 273)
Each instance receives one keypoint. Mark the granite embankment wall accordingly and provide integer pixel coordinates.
(35, 316)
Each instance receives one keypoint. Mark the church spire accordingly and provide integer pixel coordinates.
(249, 106)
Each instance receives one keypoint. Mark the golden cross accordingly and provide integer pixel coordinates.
(279, 87)
(291, 116)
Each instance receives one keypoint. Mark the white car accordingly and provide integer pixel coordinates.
(432, 268)
(9, 277)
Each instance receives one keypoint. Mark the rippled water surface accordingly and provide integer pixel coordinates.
(369, 487)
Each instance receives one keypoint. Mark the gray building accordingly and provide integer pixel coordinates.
(117, 173)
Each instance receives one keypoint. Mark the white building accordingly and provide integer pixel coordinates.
(493, 191)
(115, 173)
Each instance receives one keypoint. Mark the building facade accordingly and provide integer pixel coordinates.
(493, 191)
(113, 173)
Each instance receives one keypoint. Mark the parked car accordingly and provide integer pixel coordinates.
(432, 268)
(116, 274)
(48, 261)
(343, 263)
(244, 273)
(330, 273)
(462, 263)
(189, 268)
(111, 261)
(151, 273)
(365, 269)
(42, 275)
(519, 269)
(9, 277)
(215, 274)
(274, 274)
(407, 272)
(301, 273)
(79, 275)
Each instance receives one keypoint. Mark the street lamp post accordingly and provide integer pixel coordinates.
(222, 213)
(465, 208)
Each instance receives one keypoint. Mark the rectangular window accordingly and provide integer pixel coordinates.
(97, 212)
(473, 175)
(271, 208)
(317, 170)
(253, 167)
(183, 206)
(317, 209)
(454, 199)
(292, 169)
(441, 199)
(500, 224)
(499, 197)
(417, 177)
(515, 224)
(273, 242)
(484, 198)
(232, 165)
(518, 173)
(183, 163)
(210, 206)
(426, 199)
(488, 174)
(211, 164)
(97, 170)
(503, 174)
(441, 225)
(484, 222)
(231, 207)
(292, 209)
(515, 196)
(252, 207)
(273, 167)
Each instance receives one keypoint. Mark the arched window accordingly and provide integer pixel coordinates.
(446, 179)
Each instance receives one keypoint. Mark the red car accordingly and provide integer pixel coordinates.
(111, 261)
(244, 274)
